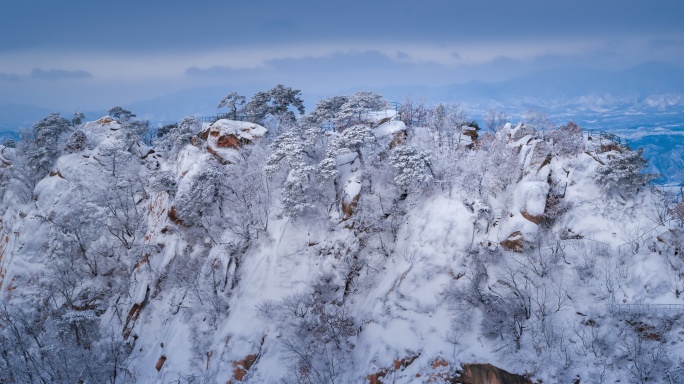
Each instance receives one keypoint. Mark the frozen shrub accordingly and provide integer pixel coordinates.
(568, 139)
(76, 141)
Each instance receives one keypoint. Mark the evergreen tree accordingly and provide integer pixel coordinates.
(276, 102)
(355, 109)
(234, 102)
(121, 114)
(41, 145)
(77, 119)
(326, 111)
(624, 172)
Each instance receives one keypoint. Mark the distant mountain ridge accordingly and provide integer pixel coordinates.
(648, 96)
(652, 86)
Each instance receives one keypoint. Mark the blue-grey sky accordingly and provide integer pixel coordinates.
(91, 54)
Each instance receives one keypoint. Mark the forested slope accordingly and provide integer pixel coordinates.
(340, 246)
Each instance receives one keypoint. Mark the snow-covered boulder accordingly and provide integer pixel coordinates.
(232, 134)
(5, 156)
(393, 130)
(224, 136)
(140, 149)
(107, 122)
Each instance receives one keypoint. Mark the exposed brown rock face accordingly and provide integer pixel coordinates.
(160, 363)
(144, 260)
(229, 141)
(232, 134)
(546, 161)
(472, 133)
(489, 374)
(106, 120)
(349, 207)
(515, 242)
(537, 219)
(380, 122)
(56, 173)
(398, 139)
(132, 317)
(441, 372)
(241, 367)
(173, 215)
(399, 365)
(217, 156)
(225, 135)
(646, 331)
(134, 314)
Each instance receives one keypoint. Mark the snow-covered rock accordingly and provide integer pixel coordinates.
(225, 136)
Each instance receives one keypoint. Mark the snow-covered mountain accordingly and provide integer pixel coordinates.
(372, 253)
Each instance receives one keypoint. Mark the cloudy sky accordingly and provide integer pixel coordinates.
(91, 54)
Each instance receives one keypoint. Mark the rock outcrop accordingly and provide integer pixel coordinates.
(224, 136)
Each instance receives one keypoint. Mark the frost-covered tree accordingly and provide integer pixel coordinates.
(568, 139)
(294, 159)
(494, 120)
(491, 168)
(351, 141)
(540, 122)
(77, 119)
(41, 146)
(318, 331)
(120, 113)
(132, 130)
(9, 143)
(355, 109)
(296, 194)
(248, 196)
(137, 130)
(204, 199)
(76, 141)
(325, 112)
(446, 122)
(412, 167)
(120, 193)
(624, 173)
(176, 136)
(163, 130)
(413, 111)
(234, 102)
(290, 149)
(278, 102)
(677, 213)
(354, 139)
(234, 198)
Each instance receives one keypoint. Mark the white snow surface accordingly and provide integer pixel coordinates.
(389, 128)
(241, 129)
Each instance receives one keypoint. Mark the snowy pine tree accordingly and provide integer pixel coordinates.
(41, 146)
(355, 109)
(624, 173)
(234, 102)
(277, 102)
(413, 167)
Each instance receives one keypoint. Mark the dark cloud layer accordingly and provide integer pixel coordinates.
(49, 74)
(184, 25)
(57, 74)
(88, 51)
(337, 70)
